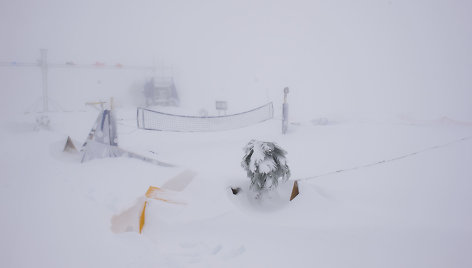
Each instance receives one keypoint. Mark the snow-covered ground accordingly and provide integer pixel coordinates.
(412, 212)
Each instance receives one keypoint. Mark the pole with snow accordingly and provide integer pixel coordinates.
(285, 112)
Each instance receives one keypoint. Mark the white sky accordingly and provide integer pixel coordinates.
(338, 57)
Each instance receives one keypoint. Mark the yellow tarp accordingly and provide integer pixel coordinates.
(156, 193)
(141, 219)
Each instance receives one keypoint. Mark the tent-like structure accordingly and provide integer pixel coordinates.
(69, 147)
(158, 203)
(102, 141)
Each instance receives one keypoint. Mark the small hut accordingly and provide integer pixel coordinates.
(161, 91)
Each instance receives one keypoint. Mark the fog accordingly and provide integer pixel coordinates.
(366, 58)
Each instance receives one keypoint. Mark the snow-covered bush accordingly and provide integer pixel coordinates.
(265, 165)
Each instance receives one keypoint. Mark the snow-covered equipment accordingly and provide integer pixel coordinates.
(102, 141)
(159, 194)
(161, 91)
(46, 103)
(165, 199)
(154, 120)
(69, 146)
(42, 122)
(265, 164)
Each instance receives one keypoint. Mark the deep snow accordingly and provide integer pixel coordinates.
(414, 212)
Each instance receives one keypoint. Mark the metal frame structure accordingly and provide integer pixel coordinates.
(44, 65)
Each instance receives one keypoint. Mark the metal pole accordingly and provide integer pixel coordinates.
(44, 69)
(285, 112)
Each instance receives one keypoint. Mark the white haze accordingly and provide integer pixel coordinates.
(338, 57)
(389, 194)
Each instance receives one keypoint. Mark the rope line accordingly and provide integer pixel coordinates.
(129, 126)
(387, 160)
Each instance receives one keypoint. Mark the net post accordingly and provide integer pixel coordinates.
(142, 118)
